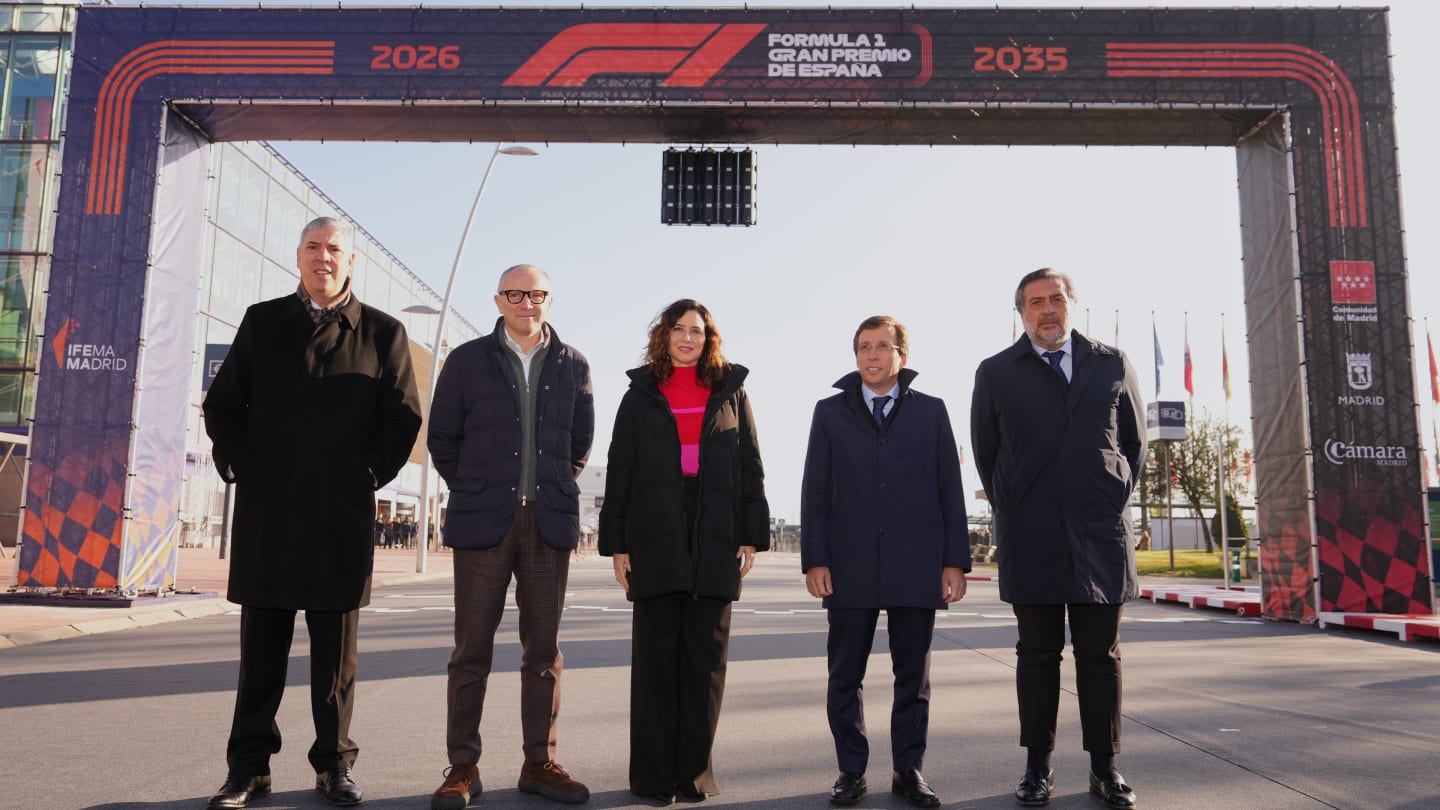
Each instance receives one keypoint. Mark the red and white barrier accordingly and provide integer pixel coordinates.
(1244, 601)
(1408, 627)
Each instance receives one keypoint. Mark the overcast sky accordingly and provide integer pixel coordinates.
(936, 237)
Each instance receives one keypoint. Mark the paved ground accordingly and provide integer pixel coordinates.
(200, 570)
(1221, 712)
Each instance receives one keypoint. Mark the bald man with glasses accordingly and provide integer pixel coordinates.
(510, 430)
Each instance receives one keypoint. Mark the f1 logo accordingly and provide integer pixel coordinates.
(690, 54)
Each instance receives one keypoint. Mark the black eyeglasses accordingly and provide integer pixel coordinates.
(516, 296)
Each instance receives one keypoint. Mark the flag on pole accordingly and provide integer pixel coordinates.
(1434, 372)
(1013, 336)
(1189, 366)
(1159, 358)
(1225, 366)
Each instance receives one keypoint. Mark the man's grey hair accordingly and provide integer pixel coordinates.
(518, 267)
(1065, 281)
(327, 222)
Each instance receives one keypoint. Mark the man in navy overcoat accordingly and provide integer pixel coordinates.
(882, 526)
(1058, 432)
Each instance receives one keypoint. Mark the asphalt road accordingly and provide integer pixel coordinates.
(1220, 712)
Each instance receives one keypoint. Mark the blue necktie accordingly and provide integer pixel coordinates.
(879, 404)
(1054, 358)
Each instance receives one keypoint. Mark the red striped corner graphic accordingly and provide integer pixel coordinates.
(1339, 105)
(117, 94)
(689, 54)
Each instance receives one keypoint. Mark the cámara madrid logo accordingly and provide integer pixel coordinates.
(1339, 452)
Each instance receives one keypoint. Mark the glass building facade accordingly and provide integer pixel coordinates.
(257, 204)
(34, 55)
(34, 50)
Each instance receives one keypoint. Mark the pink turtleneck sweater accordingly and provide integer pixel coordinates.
(687, 399)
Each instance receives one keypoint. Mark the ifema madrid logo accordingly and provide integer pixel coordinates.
(73, 356)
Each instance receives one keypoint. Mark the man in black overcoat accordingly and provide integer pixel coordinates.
(314, 409)
(1058, 431)
(882, 512)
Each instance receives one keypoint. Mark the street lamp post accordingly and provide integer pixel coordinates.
(423, 530)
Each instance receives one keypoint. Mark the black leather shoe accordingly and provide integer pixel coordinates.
(1114, 792)
(848, 788)
(692, 795)
(911, 785)
(1035, 789)
(239, 790)
(338, 787)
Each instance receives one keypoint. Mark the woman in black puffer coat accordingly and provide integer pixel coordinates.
(684, 516)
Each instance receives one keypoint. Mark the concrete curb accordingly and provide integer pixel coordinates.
(130, 620)
(150, 615)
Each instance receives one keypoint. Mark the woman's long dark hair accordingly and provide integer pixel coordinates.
(712, 365)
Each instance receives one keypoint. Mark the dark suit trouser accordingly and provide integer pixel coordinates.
(677, 682)
(482, 581)
(265, 636)
(852, 633)
(1095, 640)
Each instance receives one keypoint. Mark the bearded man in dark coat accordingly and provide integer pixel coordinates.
(313, 410)
(1057, 424)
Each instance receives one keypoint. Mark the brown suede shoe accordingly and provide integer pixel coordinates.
(550, 780)
(462, 783)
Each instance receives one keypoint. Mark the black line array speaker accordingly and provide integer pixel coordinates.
(708, 187)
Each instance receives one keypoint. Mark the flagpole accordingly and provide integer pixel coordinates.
(1188, 369)
(1169, 496)
(1224, 445)
(1435, 433)
(1224, 518)
(1434, 404)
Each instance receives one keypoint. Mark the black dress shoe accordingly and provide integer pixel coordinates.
(848, 788)
(239, 790)
(338, 787)
(661, 798)
(1113, 791)
(1034, 789)
(911, 785)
